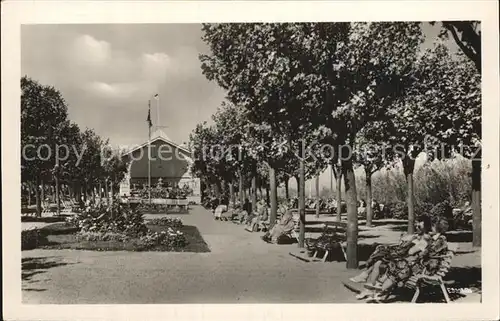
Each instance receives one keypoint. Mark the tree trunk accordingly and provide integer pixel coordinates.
(85, 192)
(29, 193)
(352, 214)
(339, 194)
(231, 193)
(106, 190)
(58, 195)
(274, 195)
(216, 190)
(38, 198)
(369, 209)
(302, 199)
(408, 167)
(476, 201)
(268, 197)
(42, 188)
(332, 173)
(287, 191)
(112, 201)
(241, 188)
(100, 190)
(254, 192)
(317, 196)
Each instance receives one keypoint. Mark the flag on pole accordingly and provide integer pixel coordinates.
(150, 124)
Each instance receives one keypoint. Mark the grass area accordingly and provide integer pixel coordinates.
(62, 236)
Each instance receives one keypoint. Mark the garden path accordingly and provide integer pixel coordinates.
(240, 268)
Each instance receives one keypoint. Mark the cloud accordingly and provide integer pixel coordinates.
(155, 66)
(107, 74)
(90, 51)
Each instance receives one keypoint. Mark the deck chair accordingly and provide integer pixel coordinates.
(66, 207)
(342, 244)
(422, 281)
(47, 208)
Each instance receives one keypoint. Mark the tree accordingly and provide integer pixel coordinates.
(467, 35)
(372, 153)
(43, 115)
(260, 67)
(449, 109)
(375, 69)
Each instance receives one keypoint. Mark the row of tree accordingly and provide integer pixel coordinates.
(367, 89)
(57, 152)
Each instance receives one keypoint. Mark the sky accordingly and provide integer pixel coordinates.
(107, 73)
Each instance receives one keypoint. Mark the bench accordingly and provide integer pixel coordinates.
(342, 226)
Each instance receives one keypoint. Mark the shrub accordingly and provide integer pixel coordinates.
(171, 239)
(32, 238)
(100, 219)
(443, 210)
(175, 223)
(423, 208)
(434, 182)
(397, 210)
(100, 236)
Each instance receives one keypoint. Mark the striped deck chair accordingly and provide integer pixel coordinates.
(422, 281)
(66, 207)
(47, 208)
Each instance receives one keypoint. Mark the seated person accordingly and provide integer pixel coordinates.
(424, 258)
(285, 225)
(231, 212)
(386, 252)
(261, 216)
(219, 210)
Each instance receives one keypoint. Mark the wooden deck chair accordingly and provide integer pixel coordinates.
(46, 208)
(66, 207)
(343, 245)
(422, 281)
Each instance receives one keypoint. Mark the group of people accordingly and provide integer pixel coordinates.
(256, 219)
(394, 265)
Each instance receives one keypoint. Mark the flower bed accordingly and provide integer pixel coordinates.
(118, 228)
(175, 223)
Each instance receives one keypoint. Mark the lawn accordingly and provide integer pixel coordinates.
(64, 236)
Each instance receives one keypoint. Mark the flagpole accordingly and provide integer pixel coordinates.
(149, 157)
(158, 109)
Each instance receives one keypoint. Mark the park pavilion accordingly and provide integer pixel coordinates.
(170, 166)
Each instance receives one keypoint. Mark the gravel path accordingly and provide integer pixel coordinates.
(240, 268)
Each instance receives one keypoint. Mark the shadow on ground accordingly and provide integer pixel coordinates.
(196, 243)
(465, 277)
(51, 219)
(459, 236)
(38, 265)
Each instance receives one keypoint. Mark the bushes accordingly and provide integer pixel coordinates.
(101, 236)
(175, 223)
(170, 239)
(97, 223)
(434, 183)
(32, 238)
(100, 219)
(397, 210)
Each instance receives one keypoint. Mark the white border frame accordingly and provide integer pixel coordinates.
(15, 13)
